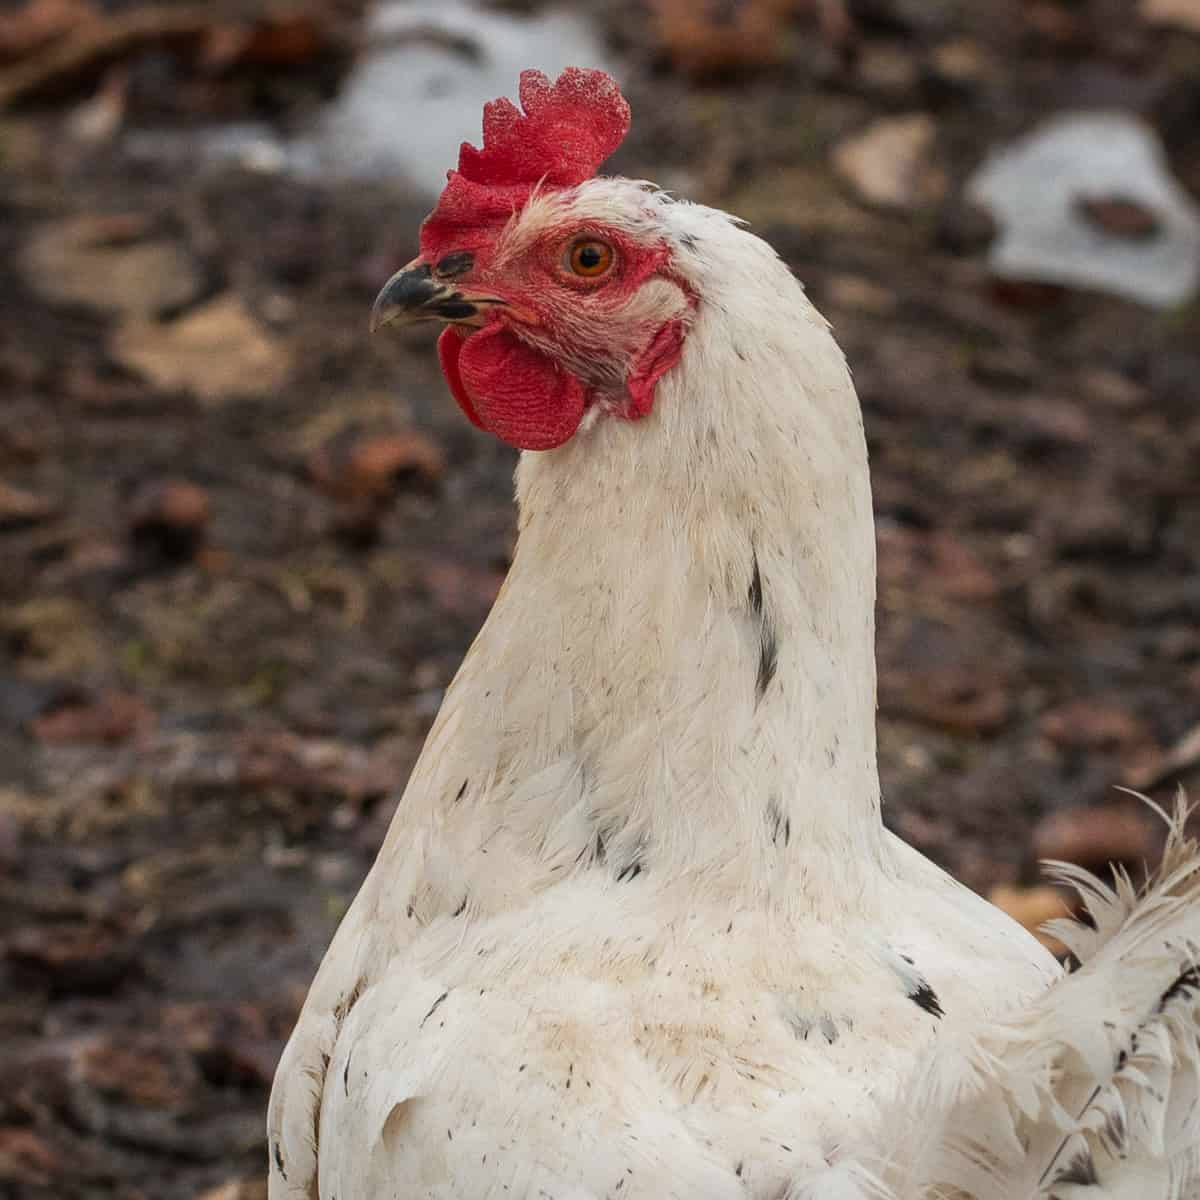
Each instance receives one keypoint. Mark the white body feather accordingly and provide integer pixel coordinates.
(1089, 1092)
(637, 928)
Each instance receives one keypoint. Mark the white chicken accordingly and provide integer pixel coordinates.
(637, 929)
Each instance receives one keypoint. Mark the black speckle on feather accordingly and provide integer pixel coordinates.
(462, 791)
(756, 590)
(768, 647)
(344, 1006)
(1115, 1131)
(433, 1008)
(279, 1161)
(778, 822)
(346, 1076)
(1184, 984)
(593, 852)
(1080, 1170)
(925, 997)
(629, 871)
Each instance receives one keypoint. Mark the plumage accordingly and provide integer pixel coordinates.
(1090, 1090)
(637, 927)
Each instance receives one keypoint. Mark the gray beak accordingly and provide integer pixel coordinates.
(413, 294)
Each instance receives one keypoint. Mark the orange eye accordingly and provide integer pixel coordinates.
(589, 258)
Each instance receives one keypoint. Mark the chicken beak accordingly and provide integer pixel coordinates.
(413, 294)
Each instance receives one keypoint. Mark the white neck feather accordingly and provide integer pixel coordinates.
(682, 657)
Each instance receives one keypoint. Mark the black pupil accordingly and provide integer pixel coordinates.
(590, 257)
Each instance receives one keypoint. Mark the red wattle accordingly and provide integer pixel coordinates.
(449, 347)
(655, 361)
(511, 389)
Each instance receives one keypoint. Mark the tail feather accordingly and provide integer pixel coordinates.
(1092, 1090)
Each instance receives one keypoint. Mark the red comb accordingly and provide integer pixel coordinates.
(567, 130)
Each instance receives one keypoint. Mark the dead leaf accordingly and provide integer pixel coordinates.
(1090, 724)
(39, 22)
(76, 958)
(136, 1070)
(19, 508)
(1183, 14)
(230, 1043)
(960, 63)
(1032, 907)
(1182, 756)
(887, 163)
(1095, 836)
(219, 352)
(708, 38)
(917, 560)
(374, 465)
(859, 294)
(109, 263)
(110, 716)
(25, 1157)
(237, 1189)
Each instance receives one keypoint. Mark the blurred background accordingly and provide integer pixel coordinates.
(244, 549)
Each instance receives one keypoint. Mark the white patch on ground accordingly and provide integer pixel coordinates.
(409, 103)
(417, 92)
(1034, 186)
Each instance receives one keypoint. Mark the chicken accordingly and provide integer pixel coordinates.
(637, 928)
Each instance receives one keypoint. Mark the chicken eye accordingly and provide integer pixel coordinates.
(590, 258)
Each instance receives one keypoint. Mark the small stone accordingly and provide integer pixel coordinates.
(168, 519)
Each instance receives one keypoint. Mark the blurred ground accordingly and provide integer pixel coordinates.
(244, 549)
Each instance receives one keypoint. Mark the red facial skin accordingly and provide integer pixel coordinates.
(561, 343)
